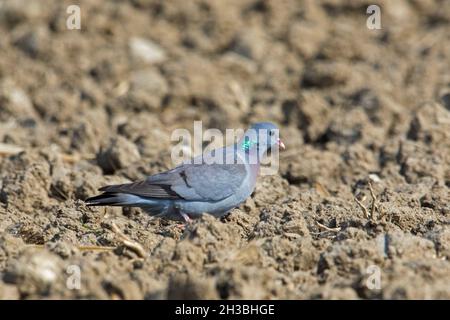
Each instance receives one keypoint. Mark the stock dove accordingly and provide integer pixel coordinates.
(215, 183)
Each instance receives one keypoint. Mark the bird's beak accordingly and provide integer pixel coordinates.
(281, 144)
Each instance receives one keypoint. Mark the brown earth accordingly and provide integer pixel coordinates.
(97, 105)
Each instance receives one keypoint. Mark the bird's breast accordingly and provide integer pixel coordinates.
(253, 174)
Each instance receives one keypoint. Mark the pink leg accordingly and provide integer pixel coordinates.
(186, 219)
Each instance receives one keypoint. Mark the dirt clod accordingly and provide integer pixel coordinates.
(365, 115)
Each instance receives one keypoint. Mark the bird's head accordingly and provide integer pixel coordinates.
(260, 138)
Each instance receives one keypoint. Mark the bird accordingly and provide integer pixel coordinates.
(213, 183)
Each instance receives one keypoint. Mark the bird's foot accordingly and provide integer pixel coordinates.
(181, 226)
(187, 220)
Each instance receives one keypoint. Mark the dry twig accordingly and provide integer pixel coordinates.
(70, 158)
(363, 207)
(320, 189)
(242, 101)
(9, 149)
(374, 205)
(127, 242)
(374, 201)
(95, 248)
(81, 248)
(336, 229)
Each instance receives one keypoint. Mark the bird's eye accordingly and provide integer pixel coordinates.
(271, 133)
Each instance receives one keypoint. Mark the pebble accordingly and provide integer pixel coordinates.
(118, 154)
(146, 50)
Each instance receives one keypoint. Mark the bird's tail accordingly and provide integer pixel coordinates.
(114, 199)
(117, 199)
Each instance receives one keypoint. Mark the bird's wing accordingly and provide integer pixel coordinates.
(143, 189)
(202, 182)
(194, 182)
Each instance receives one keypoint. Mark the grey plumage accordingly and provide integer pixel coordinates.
(190, 190)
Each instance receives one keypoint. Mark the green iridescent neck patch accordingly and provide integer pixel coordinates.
(247, 144)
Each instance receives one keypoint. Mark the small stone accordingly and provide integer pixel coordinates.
(408, 246)
(119, 154)
(34, 272)
(250, 44)
(147, 89)
(15, 101)
(146, 50)
(188, 287)
(325, 74)
(446, 101)
(62, 249)
(375, 178)
(306, 38)
(34, 43)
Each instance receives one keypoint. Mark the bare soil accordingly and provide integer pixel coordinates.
(355, 106)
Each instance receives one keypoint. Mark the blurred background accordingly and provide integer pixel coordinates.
(84, 107)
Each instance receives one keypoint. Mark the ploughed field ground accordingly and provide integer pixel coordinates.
(361, 111)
